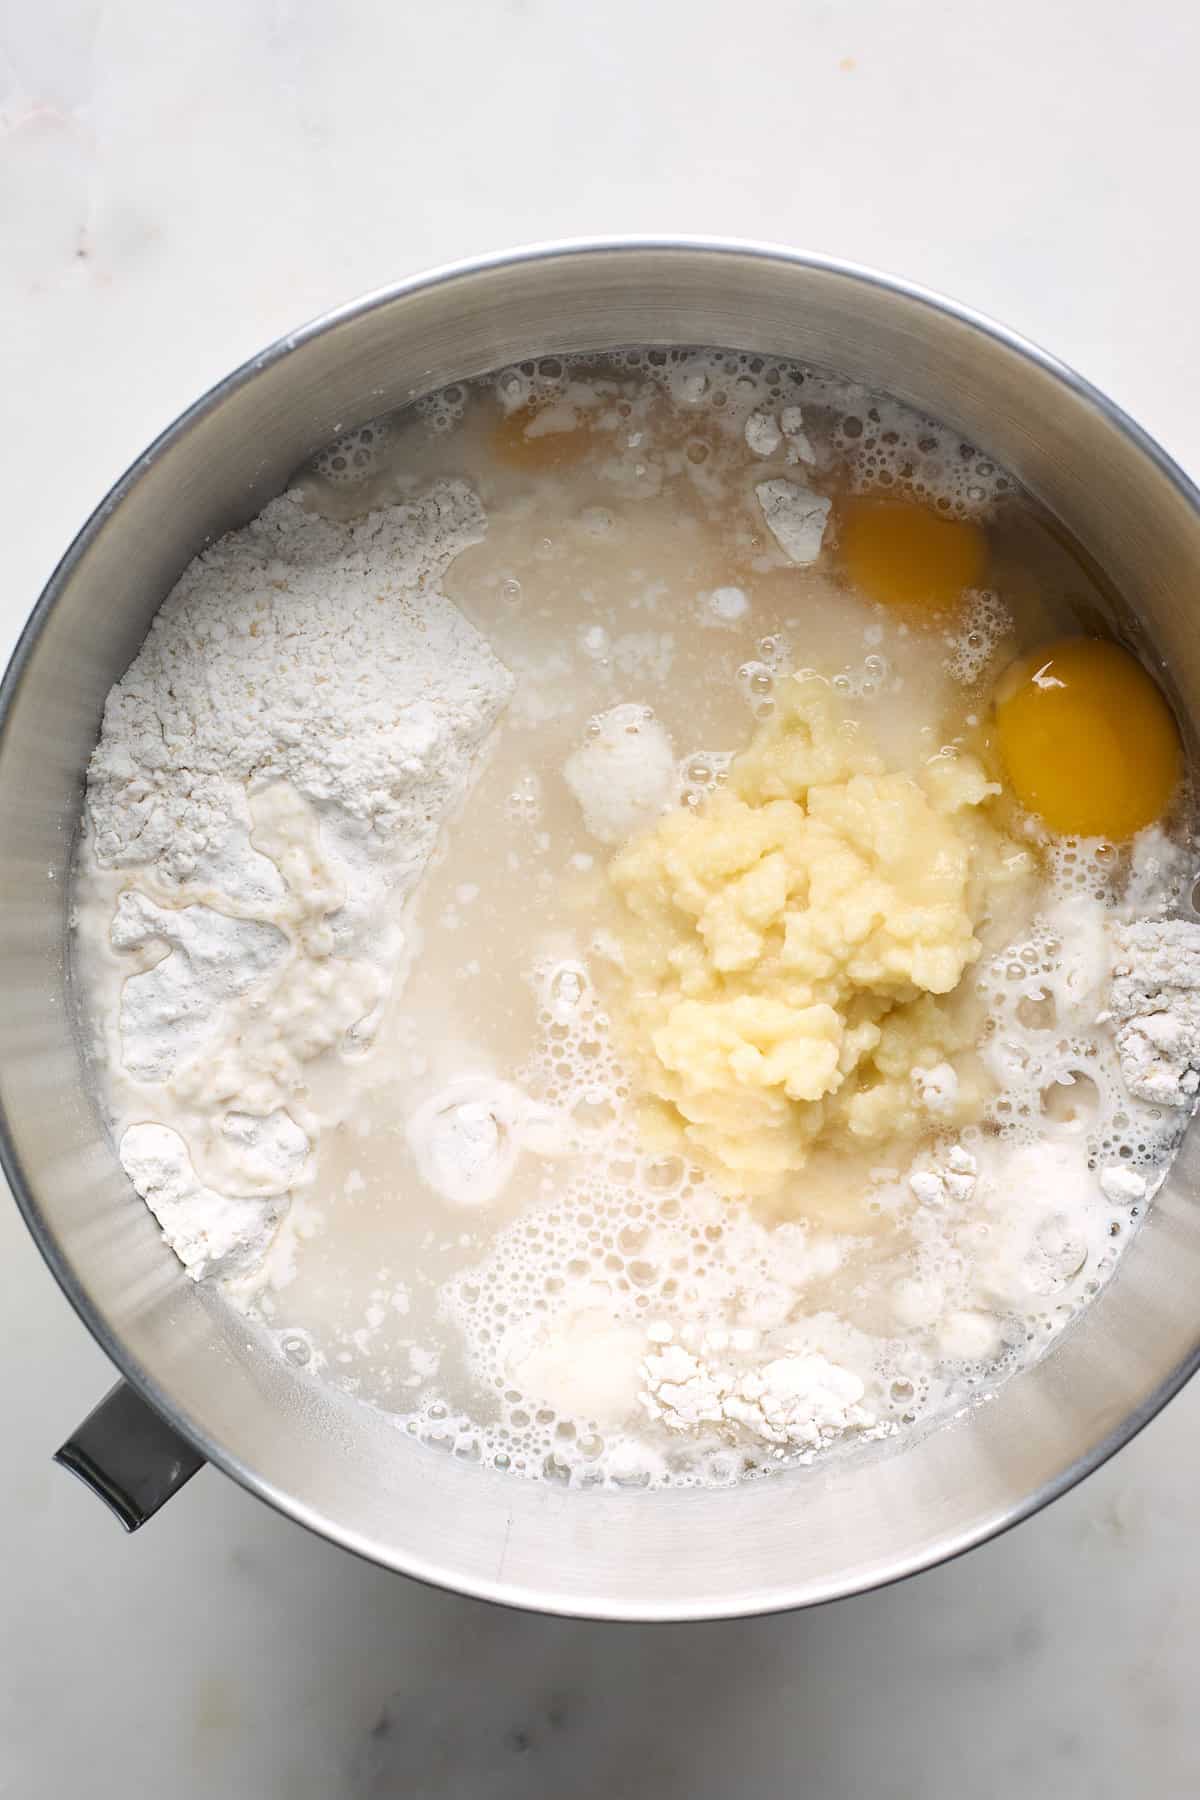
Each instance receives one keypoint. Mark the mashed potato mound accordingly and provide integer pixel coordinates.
(793, 948)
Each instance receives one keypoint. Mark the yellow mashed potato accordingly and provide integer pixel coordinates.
(793, 949)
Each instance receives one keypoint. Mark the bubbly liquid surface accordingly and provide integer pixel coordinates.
(626, 563)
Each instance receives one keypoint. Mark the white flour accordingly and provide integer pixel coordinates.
(305, 651)
(467, 1137)
(206, 959)
(796, 518)
(278, 761)
(623, 775)
(1155, 1003)
(794, 1401)
(209, 1232)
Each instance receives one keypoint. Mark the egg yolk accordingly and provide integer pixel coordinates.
(1087, 740)
(513, 443)
(906, 555)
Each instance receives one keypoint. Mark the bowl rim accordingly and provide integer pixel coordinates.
(424, 1569)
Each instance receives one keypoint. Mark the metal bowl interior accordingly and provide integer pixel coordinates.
(339, 1467)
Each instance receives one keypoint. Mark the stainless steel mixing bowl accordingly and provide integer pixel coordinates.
(342, 1468)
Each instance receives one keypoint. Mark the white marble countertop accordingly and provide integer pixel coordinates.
(178, 185)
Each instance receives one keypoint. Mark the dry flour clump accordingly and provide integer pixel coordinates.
(305, 651)
(792, 1401)
(1155, 1003)
(796, 518)
(623, 775)
(271, 778)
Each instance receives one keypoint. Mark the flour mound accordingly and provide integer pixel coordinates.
(307, 651)
(273, 772)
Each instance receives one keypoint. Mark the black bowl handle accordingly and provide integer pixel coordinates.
(129, 1456)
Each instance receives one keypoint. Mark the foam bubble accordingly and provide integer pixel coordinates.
(984, 625)
(1081, 867)
(443, 411)
(817, 417)
(863, 682)
(888, 447)
(356, 457)
(702, 773)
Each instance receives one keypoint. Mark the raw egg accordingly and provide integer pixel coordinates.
(908, 556)
(1087, 740)
(518, 441)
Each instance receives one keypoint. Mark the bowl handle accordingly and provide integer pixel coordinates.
(129, 1456)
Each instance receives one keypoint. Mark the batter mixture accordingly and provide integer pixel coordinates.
(637, 919)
